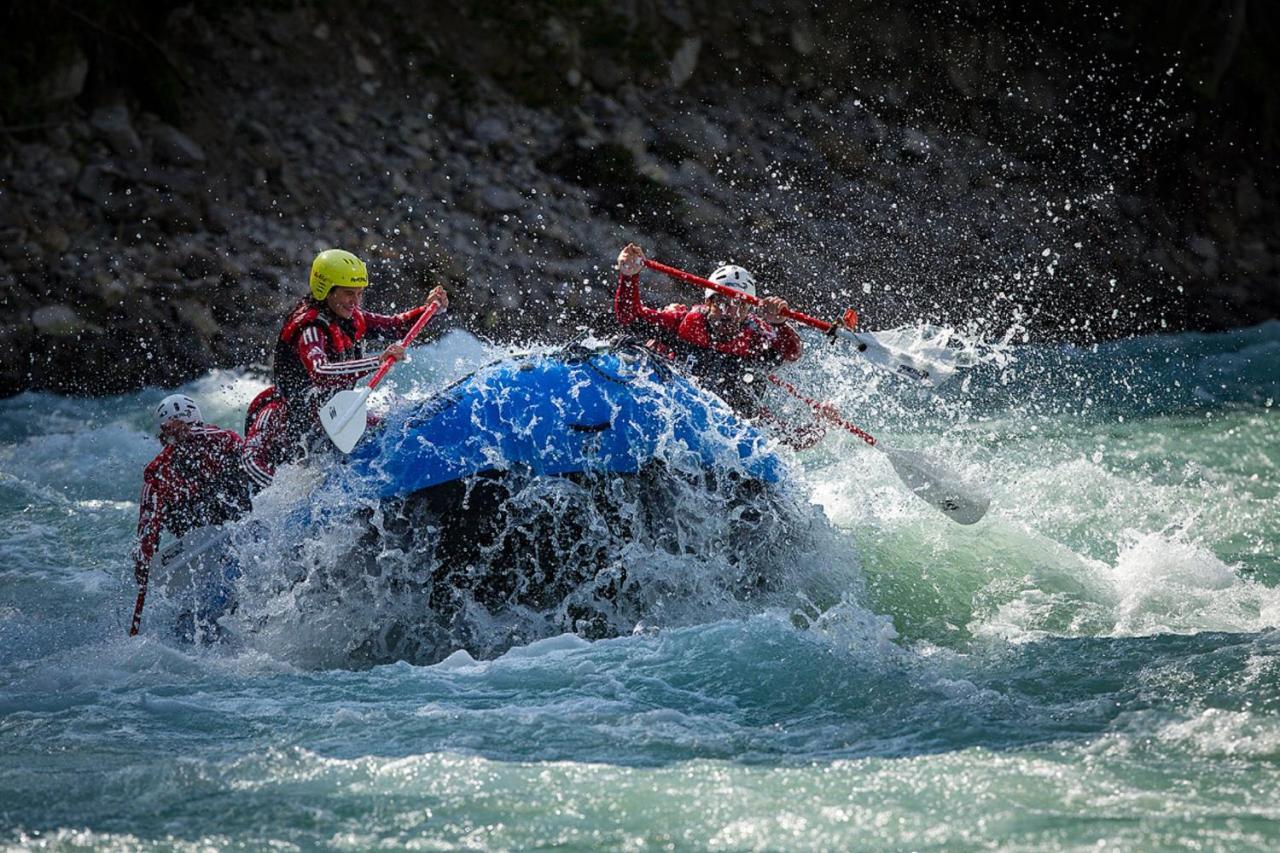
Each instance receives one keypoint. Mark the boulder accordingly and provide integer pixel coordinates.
(1204, 248)
(684, 62)
(490, 130)
(500, 199)
(198, 316)
(172, 146)
(915, 143)
(363, 63)
(606, 74)
(65, 79)
(60, 321)
(54, 238)
(114, 128)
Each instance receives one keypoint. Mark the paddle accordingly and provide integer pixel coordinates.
(927, 371)
(344, 415)
(927, 478)
(137, 609)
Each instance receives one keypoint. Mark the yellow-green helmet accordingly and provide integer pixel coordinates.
(336, 268)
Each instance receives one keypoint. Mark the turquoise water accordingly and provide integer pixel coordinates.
(1096, 662)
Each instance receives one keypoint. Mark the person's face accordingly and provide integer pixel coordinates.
(174, 431)
(343, 301)
(729, 310)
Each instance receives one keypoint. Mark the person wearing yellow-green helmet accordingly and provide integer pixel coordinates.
(321, 350)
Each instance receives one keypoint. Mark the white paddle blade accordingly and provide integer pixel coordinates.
(959, 501)
(932, 371)
(344, 418)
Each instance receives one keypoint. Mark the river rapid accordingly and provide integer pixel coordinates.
(1096, 662)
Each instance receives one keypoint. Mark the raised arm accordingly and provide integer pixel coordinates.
(627, 306)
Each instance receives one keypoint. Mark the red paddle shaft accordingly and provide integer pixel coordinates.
(850, 318)
(422, 320)
(825, 411)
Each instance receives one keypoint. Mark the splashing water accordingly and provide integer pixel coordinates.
(1096, 661)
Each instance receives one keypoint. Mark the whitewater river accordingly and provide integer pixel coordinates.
(1096, 661)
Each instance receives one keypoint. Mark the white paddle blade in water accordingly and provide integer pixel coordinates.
(344, 417)
(933, 369)
(958, 500)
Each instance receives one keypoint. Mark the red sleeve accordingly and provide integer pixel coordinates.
(787, 343)
(693, 329)
(392, 325)
(628, 308)
(151, 512)
(312, 348)
(266, 435)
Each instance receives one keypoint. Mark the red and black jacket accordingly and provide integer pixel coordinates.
(734, 366)
(190, 484)
(318, 352)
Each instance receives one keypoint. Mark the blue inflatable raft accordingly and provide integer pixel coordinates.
(513, 497)
(571, 411)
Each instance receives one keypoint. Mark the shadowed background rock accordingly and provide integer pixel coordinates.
(167, 170)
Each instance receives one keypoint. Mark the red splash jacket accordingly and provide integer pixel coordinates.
(317, 351)
(267, 438)
(316, 355)
(732, 365)
(190, 484)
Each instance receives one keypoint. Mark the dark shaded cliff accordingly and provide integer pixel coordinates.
(168, 170)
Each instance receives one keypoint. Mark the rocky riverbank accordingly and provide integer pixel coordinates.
(164, 186)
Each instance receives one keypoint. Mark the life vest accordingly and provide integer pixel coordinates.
(739, 377)
(343, 340)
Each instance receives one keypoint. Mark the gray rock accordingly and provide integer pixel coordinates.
(678, 14)
(606, 74)
(198, 261)
(802, 39)
(705, 138)
(402, 185)
(1204, 248)
(490, 130)
(198, 316)
(65, 80)
(684, 62)
(1248, 200)
(172, 146)
(13, 243)
(60, 321)
(54, 238)
(915, 143)
(501, 199)
(216, 217)
(348, 114)
(98, 184)
(1255, 259)
(113, 127)
(1131, 205)
(61, 169)
(21, 254)
(633, 136)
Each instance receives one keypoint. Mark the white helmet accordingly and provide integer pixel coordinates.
(177, 407)
(731, 276)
